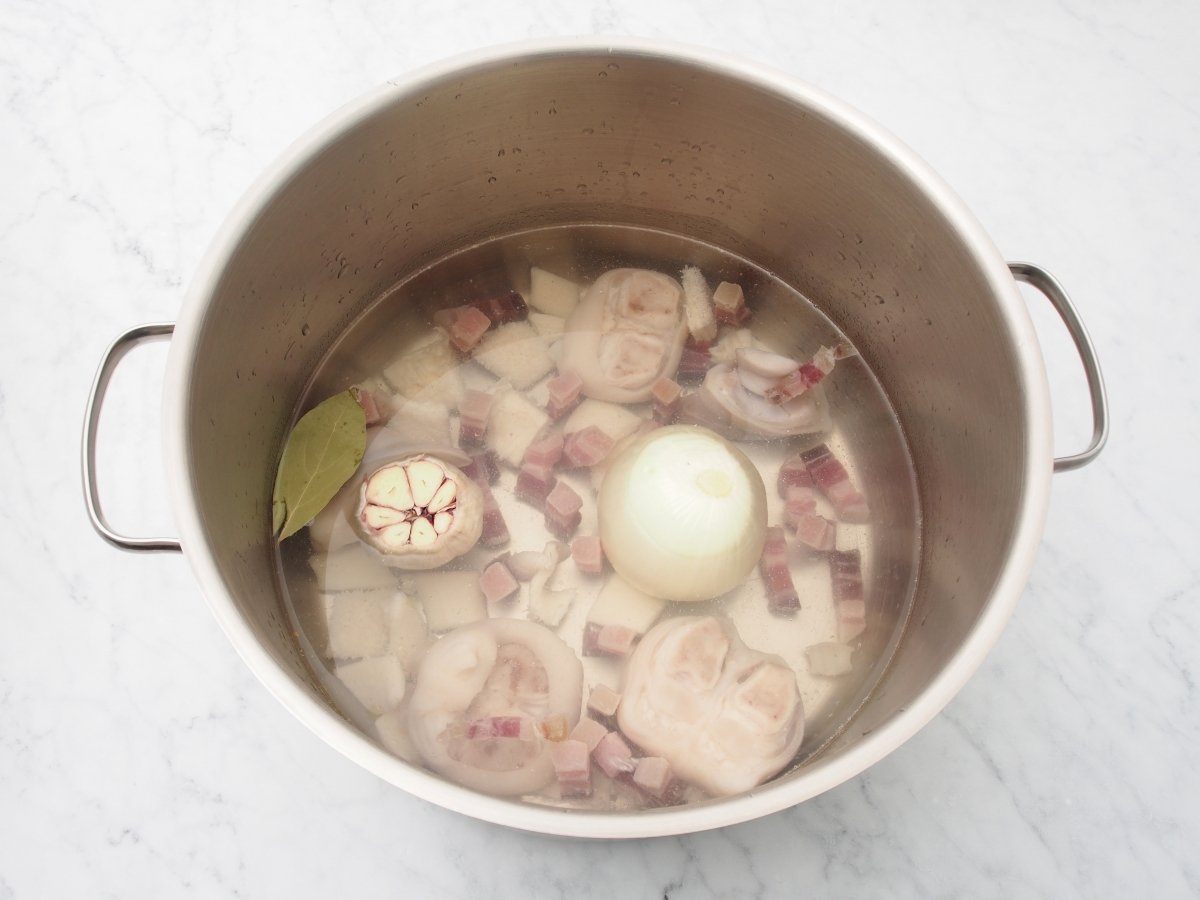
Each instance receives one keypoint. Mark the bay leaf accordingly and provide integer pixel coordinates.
(322, 453)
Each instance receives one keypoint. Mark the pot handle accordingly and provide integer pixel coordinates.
(116, 350)
(1048, 286)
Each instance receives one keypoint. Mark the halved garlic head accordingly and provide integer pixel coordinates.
(683, 514)
(725, 716)
(419, 512)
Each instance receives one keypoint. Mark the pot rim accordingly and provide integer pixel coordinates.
(774, 796)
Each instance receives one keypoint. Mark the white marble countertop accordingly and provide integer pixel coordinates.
(138, 755)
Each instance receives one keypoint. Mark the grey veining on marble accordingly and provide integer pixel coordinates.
(139, 757)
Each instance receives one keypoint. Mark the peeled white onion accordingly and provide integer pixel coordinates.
(683, 514)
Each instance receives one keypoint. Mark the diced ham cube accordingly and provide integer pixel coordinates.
(793, 473)
(502, 308)
(495, 529)
(483, 468)
(668, 398)
(694, 362)
(782, 599)
(589, 731)
(563, 507)
(654, 776)
(613, 756)
(534, 484)
(816, 532)
(565, 392)
(588, 554)
(851, 619)
(798, 503)
(729, 304)
(546, 451)
(498, 583)
(474, 410)
(465, 325)
(572, 767)
(602, 705)
(586, 447)
(615, 640)
(518, 727)
(831, 477)
(845, 572)
(370, 406)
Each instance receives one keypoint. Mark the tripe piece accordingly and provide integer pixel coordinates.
(356, 624)
(547, 326)
(450, 599)
(620, 603)
(613, 419)
(515, 424)
(407, 634)
(697, 304)
(427, 370)
(552, 294)
(515, 353)
(829, 660)
(378, 684)
(352, 568)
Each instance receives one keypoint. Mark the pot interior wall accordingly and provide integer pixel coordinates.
(631, 139)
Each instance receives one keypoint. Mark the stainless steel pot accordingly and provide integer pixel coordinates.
(641, 134)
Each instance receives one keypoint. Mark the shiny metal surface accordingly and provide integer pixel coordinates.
(647, 135)
(91, 421)
(1050, 288)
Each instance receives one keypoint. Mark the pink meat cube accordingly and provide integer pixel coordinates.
(654, 776)
(851, 619)
(798, 503)
(483, 468)
(565, 391)
(572, 767)
(589, 731)
(693, 362)
(613, 756)
(668, 398)
(615, 640)
(563, 510)
(370, 406)
(473, 413)
(845, 573)
(816, 532)
(498, 583)
(586, 447)
(495, 529)
(467, 327)
(502, 308)
(602, 705)
(546, 451)
(534, 483)
(588, 554)
(793, 473)
(831, 477)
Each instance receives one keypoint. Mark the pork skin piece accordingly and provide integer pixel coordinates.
(627, 330)
(493, 670)
(724, 716)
